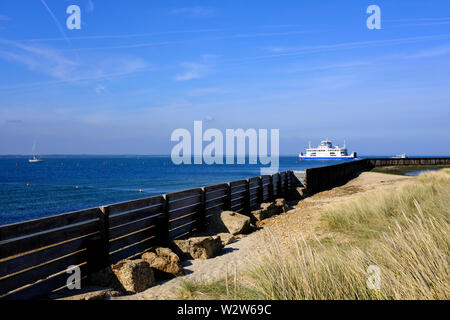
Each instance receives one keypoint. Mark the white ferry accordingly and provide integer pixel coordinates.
(326, 151)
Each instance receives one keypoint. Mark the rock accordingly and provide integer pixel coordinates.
(226, 238)
(165, 262)
(90, 293)
(199, 247)
(134, 275)
(234, 222)
(281, 206)
(266, 210)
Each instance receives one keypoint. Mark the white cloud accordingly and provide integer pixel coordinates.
(64, 69)
(292, 51)
(343, 65)
(193, 71)
(195, 12)
(206, 91)
(432, 52)
(100, 89)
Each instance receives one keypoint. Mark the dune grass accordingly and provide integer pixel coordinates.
(404, 232)
(402, 170)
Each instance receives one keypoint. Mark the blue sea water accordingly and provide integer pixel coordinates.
(67, 183)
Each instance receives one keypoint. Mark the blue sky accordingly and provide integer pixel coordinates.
(137, 70)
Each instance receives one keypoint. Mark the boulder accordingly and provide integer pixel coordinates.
(226, 238)
(234, 222)
(134, 275)
(281, 206)
(265, 210)
(165, 262)
(199, 247)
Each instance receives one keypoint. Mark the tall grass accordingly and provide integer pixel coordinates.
(405, 232)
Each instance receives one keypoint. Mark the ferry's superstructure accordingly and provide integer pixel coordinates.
(326, 151)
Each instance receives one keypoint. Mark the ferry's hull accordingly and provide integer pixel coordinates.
(326, 158)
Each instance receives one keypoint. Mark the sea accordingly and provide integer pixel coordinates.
(62, 184)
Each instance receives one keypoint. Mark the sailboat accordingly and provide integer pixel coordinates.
(35, 158)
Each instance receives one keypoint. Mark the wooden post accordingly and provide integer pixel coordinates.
(279, 185)
(162, 223)
(260, 190)
(228, 197)
(97, 248)
(201, 216)
(271, 193)
(247, 196)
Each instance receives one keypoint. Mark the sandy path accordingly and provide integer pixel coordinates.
(286, 228)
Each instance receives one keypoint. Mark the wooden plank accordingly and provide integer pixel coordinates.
(132, 250)
(237, 207)
(129, 216)
(216, 187)
(42, 287)
(186, 202)
(240, 199)
(182, 221)
(237, 183)
(43, 271)
(186, 229)
(184, 211)
(39, 225)
(42, 239)
(238, 188)
(132, 238)
(215, 202)
(215, 194)
(221, 206)
(134, 226)
(213, 211)
(183, 194)
(238, 193)
(38, 257)
(135, 204)
(253, 180)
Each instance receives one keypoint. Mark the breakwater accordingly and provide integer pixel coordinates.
(34, 255)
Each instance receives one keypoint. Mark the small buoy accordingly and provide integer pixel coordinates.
(140, 190)
(28, 184)
(76, 187)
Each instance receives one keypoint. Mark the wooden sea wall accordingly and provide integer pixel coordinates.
(35, 255)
